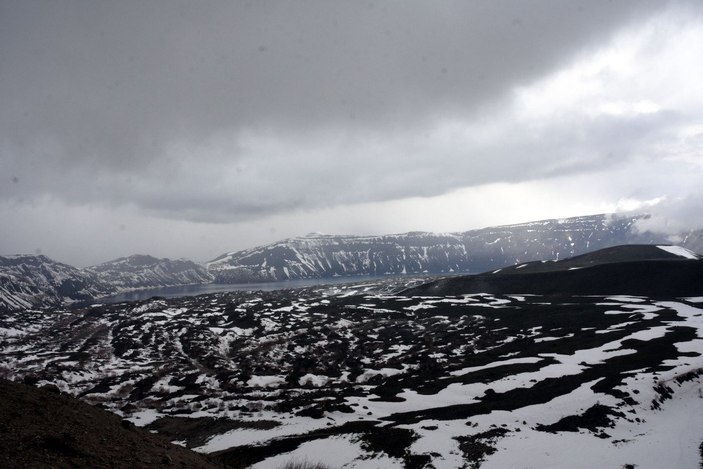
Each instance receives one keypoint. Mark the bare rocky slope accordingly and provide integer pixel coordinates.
(41, 428)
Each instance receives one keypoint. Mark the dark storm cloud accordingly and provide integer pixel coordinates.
(230, 110)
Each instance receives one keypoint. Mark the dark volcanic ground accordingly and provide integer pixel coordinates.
(374, 375)
(41, 428)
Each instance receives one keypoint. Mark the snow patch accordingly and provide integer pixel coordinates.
(268, 381)
(679, 251)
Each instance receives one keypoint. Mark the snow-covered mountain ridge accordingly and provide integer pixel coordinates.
(28, 281)
(37, 281)
(475, 251)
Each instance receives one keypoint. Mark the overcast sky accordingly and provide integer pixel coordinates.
(188, 129)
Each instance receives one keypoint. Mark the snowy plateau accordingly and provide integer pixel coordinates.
(489, 371)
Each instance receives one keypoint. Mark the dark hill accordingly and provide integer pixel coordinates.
(625, 270)
(41, 428)
(610, 255)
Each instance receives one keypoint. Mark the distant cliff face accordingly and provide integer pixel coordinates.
(139, 271)
(37, 281)
(322, 256)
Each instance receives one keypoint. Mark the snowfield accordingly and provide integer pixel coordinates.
(365, 375)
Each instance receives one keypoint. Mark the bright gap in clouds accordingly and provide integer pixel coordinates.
(120, 230)
(633, 103)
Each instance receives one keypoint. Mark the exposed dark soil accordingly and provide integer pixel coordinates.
(246, 455)
(594, 419)
(196, 431)
(40, 428)
(475, 448)
(649, 355)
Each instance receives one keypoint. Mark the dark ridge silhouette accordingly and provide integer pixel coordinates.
(626, 270)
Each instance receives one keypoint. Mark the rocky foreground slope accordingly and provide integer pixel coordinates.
(42, 428)
(377, 374)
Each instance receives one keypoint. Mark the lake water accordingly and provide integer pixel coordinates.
(193, 290)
